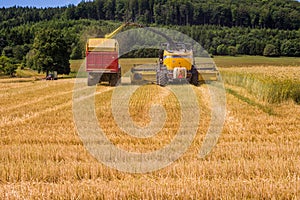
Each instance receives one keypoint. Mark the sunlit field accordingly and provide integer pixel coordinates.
(256, 157)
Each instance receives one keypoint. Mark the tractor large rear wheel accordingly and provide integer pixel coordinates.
(195, 76)
(93, 79)
(162, 78)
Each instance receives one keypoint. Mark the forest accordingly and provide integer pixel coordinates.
(228, 27)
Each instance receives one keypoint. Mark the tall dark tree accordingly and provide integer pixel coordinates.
(50, 52)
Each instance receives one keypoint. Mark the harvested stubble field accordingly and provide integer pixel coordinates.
(42, 157)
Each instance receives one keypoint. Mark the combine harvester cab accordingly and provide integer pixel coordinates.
(175, 65)
(102, 61)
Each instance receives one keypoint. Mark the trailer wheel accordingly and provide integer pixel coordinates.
(93, 79)
(114, 79)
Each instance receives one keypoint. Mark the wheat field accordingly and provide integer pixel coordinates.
(42, 156)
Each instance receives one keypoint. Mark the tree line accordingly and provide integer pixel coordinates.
(273, 14)
(18, 45)
(48, 45)
(245, 41)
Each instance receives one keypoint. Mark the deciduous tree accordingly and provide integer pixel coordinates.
(50, 52)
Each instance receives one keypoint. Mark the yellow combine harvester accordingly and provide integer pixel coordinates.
(176, 65)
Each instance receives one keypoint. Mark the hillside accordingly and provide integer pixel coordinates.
(248, 27)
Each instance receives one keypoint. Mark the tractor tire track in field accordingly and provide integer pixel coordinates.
(19, 120)
(14, 97)
(264, 108)
(36, 100)
(8, 86)
(232, 120)
(32, 87)
(91, 95)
